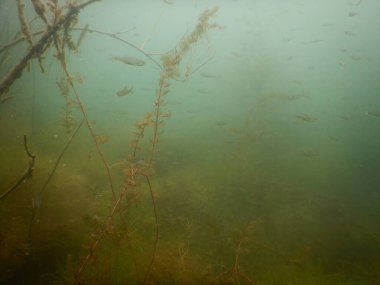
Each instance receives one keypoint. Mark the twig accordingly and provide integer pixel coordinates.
(151, 32)
(99, 237)
(50, 176)
(234, 271)
(27, 174)
(39, 46)
(187, 75)
(90, 128)
(16, 41)
(146, 277)
(23, 22)
(114, 36)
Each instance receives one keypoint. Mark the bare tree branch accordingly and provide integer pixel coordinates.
(38, 47)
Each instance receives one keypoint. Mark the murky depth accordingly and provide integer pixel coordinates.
(192, 142)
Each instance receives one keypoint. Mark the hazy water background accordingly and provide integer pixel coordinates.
(271, 151)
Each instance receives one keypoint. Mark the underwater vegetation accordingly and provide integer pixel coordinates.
(187, 146)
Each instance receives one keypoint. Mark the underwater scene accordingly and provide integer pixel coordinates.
(190, 142)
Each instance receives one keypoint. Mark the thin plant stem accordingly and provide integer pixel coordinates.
(90, 128)
(156, 238)
(114, 36)
(96, 243)
(27, 174)
(50, 176)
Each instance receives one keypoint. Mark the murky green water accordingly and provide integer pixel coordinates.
(259, 167)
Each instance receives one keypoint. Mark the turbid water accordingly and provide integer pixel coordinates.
(241, 142)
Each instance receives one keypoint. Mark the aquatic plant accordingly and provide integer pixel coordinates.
(142, 166)
(59, 23)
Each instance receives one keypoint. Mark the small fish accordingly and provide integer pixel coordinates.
(346, 117)
(202, 91)
(313, 41)
(333, 138)
(372, 113)
(307, 118)
(296, 81)
(349, 33)
(82, 34)
(209, 75)
(287, 97)
(354, 57)
(220, 123)
(352, 14)
(309, 153)
(129, 60)
(124, 92)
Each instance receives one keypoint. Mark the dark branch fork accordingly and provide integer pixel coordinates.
(38, 48)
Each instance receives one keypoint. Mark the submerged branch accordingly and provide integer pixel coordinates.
(90, 128)
(37, 48)
(114, 36)
(16, 41)
(27, 174)
(156, 238)
(98, 238)
(50, 176)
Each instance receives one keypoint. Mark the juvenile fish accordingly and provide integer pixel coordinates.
(372, 113)
(129, 60)
(307, 118)
(288, 97)
(209, 75)
(124, 92)
(82, 34)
